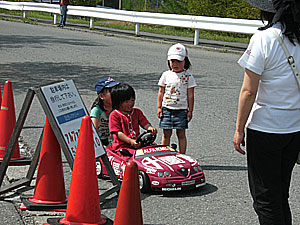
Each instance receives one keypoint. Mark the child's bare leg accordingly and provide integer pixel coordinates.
(166, 136)
(181, 140)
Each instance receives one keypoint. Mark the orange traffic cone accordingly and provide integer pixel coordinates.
(7, 124)
(129, 209)
(83, 201)
(0, 97)
(49, 193)
(7, 121)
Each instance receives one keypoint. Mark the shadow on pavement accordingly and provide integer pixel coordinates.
(22, 77)
(227, 168)
(205, 190)
(110, 203)
(18, 41)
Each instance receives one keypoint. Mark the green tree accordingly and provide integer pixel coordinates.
(241, 9)
(134, 5)
(84, 2)
(215, 8)
(175, 6)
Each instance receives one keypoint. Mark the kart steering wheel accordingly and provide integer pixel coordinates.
(146, 138)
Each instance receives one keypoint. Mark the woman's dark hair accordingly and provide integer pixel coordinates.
(266, 16)
(292, 28)
(121, 93)
(98, 101)
(187, 63)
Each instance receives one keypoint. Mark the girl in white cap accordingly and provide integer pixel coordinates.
(269, 107)
(175, 101)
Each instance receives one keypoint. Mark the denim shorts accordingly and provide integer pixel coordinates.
(173, 119)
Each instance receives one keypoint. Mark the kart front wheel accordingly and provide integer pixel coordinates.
(98, 168)
(144, 182)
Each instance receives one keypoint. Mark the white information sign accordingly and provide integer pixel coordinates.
(68, 109)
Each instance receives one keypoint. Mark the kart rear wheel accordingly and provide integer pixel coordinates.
(99, 170)
(144, 182)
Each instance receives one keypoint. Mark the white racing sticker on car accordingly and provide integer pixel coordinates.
(164, 163)
(110, 158)
(188, 158)
(157, 149)
(151, 163)
(116, 167)
(150, 170)
(171, 160)
(155, 182)
(123, 169)
(171, 189)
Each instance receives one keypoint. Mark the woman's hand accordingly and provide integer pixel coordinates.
(246, 100)
(238, 141)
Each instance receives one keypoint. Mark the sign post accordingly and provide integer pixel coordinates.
(64, 109)
(68, 109)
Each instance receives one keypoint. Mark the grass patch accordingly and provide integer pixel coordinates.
(176, 31)
(166, 30)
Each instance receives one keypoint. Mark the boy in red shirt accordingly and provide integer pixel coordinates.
(125, 120)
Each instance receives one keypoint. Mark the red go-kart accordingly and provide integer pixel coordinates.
(161, 167)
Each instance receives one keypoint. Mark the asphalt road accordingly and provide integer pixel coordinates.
(32, 55)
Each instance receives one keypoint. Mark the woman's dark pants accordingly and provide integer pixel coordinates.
(271, 159)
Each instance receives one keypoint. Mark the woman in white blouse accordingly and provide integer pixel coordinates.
(269, 109)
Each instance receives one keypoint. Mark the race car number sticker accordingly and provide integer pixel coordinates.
(150, 170)
(171, 160)
(151, 163)
(188, 158)
(116, 167)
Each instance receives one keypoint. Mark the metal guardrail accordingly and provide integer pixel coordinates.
(187, 21)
